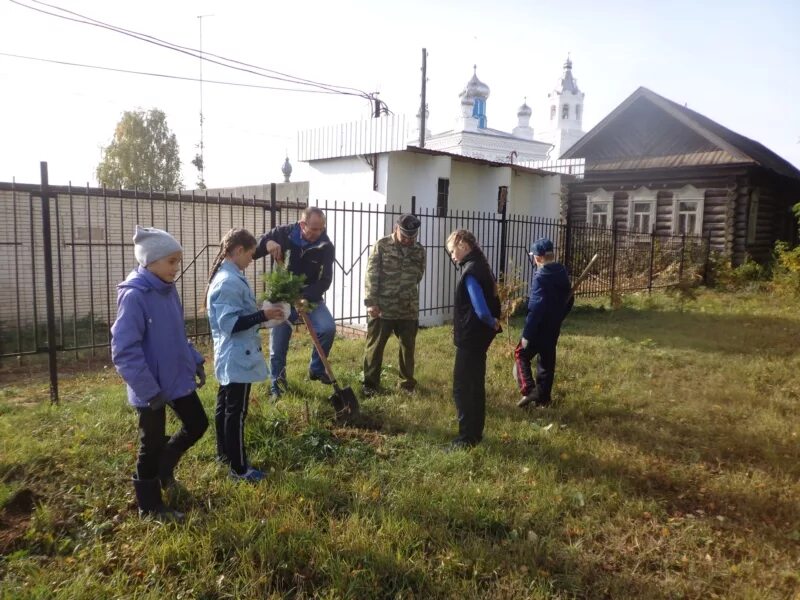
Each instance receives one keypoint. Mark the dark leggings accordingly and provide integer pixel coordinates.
(158, 454)
(469, 394)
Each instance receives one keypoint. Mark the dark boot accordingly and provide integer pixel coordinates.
(148, 497)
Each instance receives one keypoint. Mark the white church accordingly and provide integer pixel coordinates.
(380, 161)
(472, 136)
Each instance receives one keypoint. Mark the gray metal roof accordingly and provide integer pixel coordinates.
(634, 136)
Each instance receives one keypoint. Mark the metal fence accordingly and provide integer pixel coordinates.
(63, 250)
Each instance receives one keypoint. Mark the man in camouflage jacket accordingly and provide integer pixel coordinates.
(391, 295)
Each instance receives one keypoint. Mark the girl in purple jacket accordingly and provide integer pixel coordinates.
(150, 350)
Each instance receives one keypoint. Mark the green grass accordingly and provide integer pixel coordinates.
(668, 468)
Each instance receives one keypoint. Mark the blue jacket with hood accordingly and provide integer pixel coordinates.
(237, 356)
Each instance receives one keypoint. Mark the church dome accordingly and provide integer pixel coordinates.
(475, 88)
(524, 110)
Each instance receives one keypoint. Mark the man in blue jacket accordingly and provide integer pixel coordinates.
(311, 253)
(550, 300)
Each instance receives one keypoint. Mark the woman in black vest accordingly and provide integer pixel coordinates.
(475, 323)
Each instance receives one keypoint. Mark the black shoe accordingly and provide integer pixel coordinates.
(460, 444)
(148, 497)
(321, 377)
(368, 391)
(534, 398)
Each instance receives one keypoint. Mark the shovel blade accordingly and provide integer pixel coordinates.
(345, 403)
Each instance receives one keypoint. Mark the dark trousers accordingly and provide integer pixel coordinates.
(232, 402)
(378, 333)
(469, 394)
(158, 454)
(545, 367)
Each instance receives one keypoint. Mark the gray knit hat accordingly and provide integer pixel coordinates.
(151, 244)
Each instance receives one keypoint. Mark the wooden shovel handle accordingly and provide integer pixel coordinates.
(584, 274)
(318, 346)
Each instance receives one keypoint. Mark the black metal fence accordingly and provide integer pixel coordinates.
(63, 249)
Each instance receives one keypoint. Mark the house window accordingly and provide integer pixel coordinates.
(578, 112)
(687, 211)
(642, 210)
(687, 217)
(642, 220)
(752, 217)
(598, 208)
(600, 214)
(552, 112)
(441, 197)
(565, 111)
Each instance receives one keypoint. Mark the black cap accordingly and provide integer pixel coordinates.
(409, 225)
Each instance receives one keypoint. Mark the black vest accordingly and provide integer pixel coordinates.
(468, 330)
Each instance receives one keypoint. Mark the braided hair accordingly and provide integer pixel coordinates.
(235, 237)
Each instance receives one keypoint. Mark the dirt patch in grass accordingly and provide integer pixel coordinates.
(15, 518)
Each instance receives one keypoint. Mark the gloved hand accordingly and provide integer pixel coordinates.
(200, 373)
(524, 343)
(158, 401)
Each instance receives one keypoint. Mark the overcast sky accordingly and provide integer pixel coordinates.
(737, 62)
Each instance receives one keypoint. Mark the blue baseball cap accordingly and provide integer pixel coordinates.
(541, 247)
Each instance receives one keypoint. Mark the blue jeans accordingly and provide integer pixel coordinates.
(325, 327)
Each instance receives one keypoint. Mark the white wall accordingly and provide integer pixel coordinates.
(474, 187)
(417, 175)
(535, 195)
(346, 180)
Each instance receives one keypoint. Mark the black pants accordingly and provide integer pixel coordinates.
(232, 402)
(378, 333)
(469, 394)
(158, 455)
(545, 367)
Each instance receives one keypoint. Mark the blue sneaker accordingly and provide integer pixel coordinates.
(251, 475)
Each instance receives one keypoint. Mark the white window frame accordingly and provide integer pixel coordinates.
(752, 216)
(600, 196)
(688, 193)
(641, 196)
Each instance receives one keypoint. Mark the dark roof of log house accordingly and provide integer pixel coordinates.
(648, 131)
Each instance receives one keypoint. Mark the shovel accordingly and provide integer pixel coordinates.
(344, 399)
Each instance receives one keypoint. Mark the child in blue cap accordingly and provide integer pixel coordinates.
(549, 302)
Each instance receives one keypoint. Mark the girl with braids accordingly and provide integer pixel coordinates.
(475, 323)
(235, 319)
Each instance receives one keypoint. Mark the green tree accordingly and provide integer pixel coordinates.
(143, 154)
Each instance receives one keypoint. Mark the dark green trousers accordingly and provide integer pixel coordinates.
(378, 333)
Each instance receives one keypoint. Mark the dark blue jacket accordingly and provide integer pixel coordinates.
(312, 259)
(550, 300)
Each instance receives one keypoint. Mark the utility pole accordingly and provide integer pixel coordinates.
(377, 109)
(423, 104)
(199, 160)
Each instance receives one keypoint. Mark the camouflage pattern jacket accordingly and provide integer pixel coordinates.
(393, 276)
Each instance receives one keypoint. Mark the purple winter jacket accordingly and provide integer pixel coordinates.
(149, 346)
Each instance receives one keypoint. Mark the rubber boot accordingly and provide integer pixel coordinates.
(148, 497)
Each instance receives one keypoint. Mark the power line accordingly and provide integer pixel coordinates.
(191, 51)
(164, 75)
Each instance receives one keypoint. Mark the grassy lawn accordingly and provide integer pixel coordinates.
(668, 468)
